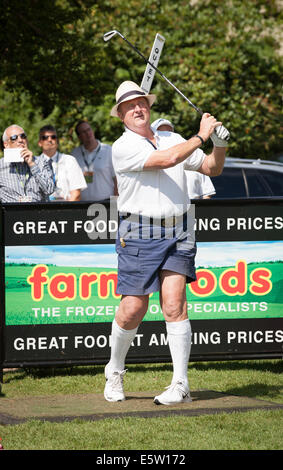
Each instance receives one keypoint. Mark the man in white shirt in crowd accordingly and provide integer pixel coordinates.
(69, 178)
(95, 160)
(153, 203)
(199, 186)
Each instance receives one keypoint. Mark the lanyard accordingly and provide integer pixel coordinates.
(149, 141)
(95, 155)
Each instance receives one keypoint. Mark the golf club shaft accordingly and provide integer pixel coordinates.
(110, 34)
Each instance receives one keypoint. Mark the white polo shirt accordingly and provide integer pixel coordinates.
(152, 193)
(68, 175)
(98, 162)
(199, 185)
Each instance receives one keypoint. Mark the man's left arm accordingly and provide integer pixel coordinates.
(214, 162)
(75, 195)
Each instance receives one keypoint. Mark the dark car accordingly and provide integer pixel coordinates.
(247, 178)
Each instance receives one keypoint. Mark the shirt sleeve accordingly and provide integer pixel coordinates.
(76, 177)
(195, 160)
(112, 172)
(207, 186)
(130, 156)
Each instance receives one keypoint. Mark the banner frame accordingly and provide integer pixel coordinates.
(228, 204)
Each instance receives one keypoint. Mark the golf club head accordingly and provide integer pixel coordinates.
(109, 35)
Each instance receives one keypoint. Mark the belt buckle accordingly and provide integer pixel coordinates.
(172, 223)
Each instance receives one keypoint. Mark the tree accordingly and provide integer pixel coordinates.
(223, 55)
(41, 51)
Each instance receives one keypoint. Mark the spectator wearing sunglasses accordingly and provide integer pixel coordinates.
(95, 160)
(68, 175)
(29, 180)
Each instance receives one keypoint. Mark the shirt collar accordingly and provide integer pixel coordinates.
(130, 132)
(94, 150)
(54, 157)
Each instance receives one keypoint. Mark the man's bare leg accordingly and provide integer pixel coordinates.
(131, 311)
(174, 307)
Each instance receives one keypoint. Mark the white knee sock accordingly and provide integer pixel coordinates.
(179, 339)
(120, 344)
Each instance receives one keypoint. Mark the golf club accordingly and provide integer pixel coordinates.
(111, 34)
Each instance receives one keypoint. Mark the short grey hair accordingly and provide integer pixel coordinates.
(4, 136)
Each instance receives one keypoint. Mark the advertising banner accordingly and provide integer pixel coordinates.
(60, 278)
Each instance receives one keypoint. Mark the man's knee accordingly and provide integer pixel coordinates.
(131, 311)
(174, 311)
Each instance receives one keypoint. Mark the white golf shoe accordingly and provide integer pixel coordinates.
(177, 392)
(113, 390)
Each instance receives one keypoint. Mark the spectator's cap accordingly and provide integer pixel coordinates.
(160, 122)
(128, 91)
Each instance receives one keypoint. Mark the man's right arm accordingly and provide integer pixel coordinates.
(161, 159)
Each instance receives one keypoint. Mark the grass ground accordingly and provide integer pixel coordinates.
(252, 430)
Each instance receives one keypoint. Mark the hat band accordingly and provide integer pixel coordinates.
(129, 93)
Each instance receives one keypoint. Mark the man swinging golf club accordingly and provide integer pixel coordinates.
(155, 242)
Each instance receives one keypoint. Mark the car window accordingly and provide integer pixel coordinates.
(229, 184)
(257, 186)
(274, 179)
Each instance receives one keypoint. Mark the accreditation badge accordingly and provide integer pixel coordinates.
(88, 176)
(25, 199)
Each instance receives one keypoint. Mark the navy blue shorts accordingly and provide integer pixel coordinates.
(141, 259)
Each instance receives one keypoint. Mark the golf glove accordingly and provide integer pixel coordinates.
(220, 136)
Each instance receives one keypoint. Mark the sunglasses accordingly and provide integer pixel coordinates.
(46, 137)
(14, 137)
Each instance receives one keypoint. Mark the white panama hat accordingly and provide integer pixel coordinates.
(160, 122)
(128, 91)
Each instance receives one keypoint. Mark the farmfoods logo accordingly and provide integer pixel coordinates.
(68, 286)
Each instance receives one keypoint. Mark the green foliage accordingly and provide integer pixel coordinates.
(224, 56)
(41, 52)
